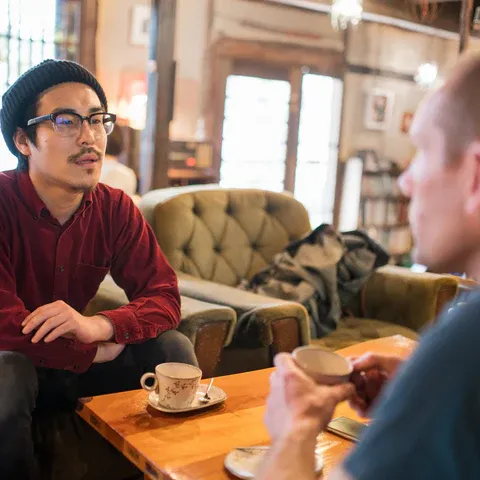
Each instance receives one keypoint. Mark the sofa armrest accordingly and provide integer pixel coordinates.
(261, 321)
(209, 327)
(398, 295)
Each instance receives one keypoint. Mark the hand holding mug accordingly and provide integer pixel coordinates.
(324, 367)
(370, 373)
(296, 402)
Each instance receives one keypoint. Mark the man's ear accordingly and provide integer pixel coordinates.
(473, 199)
(21, 142)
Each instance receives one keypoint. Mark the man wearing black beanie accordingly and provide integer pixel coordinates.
(62, 232)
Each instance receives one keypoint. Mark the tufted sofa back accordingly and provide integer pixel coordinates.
(223, 235)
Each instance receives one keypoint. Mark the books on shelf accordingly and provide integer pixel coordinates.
(380, 185)
(372, 196)
(383, 210)
(397, 241)
(400, 241)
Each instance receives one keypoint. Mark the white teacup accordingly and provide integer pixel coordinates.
(175, 383)
(326, 368)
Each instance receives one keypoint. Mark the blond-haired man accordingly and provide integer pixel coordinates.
(427, 419)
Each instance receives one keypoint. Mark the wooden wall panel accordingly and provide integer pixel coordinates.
(88, 34)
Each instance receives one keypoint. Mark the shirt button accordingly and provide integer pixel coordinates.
(42, 361)
(61, 268)
(127, 336)
(75, 367)
(35, 217)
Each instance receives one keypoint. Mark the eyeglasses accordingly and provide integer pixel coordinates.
(69, 124)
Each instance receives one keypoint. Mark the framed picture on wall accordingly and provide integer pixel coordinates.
(378, 111)
(407, 119)
(140, 26)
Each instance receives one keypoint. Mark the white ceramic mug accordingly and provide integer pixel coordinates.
(326, 368)
(175, 383)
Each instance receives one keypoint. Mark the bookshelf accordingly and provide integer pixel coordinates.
(382, 209)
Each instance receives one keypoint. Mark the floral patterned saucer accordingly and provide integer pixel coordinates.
(216, 394)
(244, 462)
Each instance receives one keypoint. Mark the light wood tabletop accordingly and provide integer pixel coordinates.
(187, 446)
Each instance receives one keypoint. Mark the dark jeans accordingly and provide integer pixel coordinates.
(26, 392)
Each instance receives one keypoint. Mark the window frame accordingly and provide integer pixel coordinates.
(67, 27)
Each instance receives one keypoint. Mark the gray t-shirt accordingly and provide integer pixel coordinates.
(427, 423)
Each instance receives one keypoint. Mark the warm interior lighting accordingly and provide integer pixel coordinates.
(191, 162)
(137, 111)
(426, 74)
(476, 20)
(346, 12)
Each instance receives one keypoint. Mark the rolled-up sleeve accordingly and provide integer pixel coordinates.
(61, 354)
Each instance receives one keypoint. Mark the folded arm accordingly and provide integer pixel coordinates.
(62, 353)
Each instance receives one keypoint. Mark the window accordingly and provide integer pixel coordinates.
(30, 33)
(255, 135)
(255, 130)
(317, 152)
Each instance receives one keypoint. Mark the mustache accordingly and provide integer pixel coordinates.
(82, 152)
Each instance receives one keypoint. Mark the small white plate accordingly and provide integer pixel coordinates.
(216, 394)
(244, 462)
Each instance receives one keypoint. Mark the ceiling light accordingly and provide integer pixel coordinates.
(426, 74)
(345, 13)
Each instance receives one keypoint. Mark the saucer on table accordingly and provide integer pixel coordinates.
(216, 394)
(244, 462)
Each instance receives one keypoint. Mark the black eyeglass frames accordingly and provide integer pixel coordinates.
(70, 123)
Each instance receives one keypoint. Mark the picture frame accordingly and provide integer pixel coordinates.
(407, 120)
(140, 25)
(379, 107)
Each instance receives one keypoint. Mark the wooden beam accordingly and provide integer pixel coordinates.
(465, 24)
(296, 77)
(380, 72)
(221, 69)
(322, 61)
(161, 83)
(393, 13)
(337, 203)
(88, 34)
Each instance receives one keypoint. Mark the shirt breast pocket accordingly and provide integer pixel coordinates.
(88, 279)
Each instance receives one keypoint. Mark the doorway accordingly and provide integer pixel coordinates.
(262, 115)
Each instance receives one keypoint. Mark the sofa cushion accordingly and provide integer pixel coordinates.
(224, 235)
(353, 330)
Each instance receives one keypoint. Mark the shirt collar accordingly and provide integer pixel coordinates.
(35, 204)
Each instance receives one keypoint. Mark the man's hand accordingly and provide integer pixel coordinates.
(58, 319)
(296, 402)
(370, 373)
(107, 352)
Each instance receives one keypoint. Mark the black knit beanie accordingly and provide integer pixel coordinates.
(32, 83)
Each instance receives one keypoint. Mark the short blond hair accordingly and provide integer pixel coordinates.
(456, 105)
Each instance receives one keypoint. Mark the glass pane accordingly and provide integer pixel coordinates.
(3, 18)
(255, 133)
(232, 151)
(14, 9)
(13, 60)
(317, 150)
(27, 35)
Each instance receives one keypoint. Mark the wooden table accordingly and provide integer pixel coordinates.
(193, 446)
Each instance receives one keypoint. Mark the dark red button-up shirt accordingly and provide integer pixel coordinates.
(42, 261)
